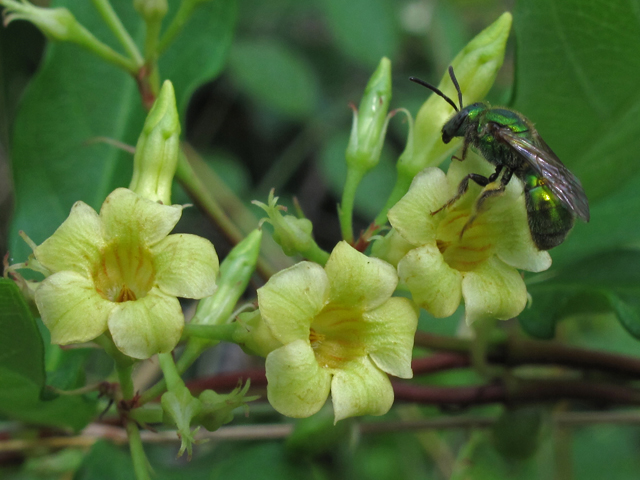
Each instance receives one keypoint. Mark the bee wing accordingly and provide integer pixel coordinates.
(559, 178)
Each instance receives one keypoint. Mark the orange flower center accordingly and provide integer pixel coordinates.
(466, 252)
(336, 336)
(125, 272)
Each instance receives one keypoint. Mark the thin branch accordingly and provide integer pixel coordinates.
(118, 435)
(518, 352)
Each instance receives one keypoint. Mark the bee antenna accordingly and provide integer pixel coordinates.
(435, 90)
(456, 84)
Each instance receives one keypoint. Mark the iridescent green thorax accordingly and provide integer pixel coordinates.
(497, 152)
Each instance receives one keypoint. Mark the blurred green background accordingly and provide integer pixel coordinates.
(264, 89)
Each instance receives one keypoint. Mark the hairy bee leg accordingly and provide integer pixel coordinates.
(494, 192)
(463, 186)
(465, 147)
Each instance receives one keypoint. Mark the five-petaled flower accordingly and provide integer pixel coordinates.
(340, 331)
(441, 266)
(121, 271)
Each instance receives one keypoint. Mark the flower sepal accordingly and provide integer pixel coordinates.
(217, 409)
(293, 234)
(179, 408)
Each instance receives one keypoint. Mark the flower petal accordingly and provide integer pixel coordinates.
(434, 285)
(390, 333)
(152, 324)
(76, 244)
(514, 245)
(71, 308)
(411, 216)
(493, 290)
(357, 280)
(292, 298)
(128, 216)
(297, 386)
(360, 389)
(391, 248)
(186, 266)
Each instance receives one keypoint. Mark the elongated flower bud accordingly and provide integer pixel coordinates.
(157, 150)
(476, 67)
(370, 120)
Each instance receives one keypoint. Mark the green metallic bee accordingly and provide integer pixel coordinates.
(508, 140)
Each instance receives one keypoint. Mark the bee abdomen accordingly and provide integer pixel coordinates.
(549, 220)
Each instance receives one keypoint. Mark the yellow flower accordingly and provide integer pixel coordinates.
(340, 331)
(121, 271)
(440, 267)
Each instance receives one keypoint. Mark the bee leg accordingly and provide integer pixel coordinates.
(465, 147)
(493, 192)
(463, 186)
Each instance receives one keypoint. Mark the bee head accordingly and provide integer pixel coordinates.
(456, 126)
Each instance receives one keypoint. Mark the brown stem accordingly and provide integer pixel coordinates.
(527, 391)
(518, 352)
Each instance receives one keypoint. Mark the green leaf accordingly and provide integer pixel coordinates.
(608, 281)
(516, 434)
(365, 29)
(577, 83)
(268, 458)
(275, 75)
(76, 98)
(105, 461)
(628, 314)
(22, 374)
(20, 342)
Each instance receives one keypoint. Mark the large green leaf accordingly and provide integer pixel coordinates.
(76, 97)
(577, 71)
(275, 75)
(22, 374)
(608, 281)
(366, 30)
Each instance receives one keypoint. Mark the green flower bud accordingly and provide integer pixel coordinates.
(254, 336)
(58, 24)
(476, 67)
(55, 23)
(217, 409)
(370, 120)
(235, 273)
(156, 157)
(293, 234)
(151, 10)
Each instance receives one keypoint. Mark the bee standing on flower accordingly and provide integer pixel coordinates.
(508, 140)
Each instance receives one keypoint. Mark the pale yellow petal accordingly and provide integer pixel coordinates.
(411, 216)
(297, 386)
(434, 285)
(359, 281)
(390, 330)
(128, 217)
(186, 266)
(152, 324)
(71, 308)
(76, 244)
(514, 244)
(292, 298)
(360, 388)
(493, 290)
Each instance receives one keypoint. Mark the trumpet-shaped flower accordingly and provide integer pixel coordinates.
(340, 331)
(443, 265)
(121, 271)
